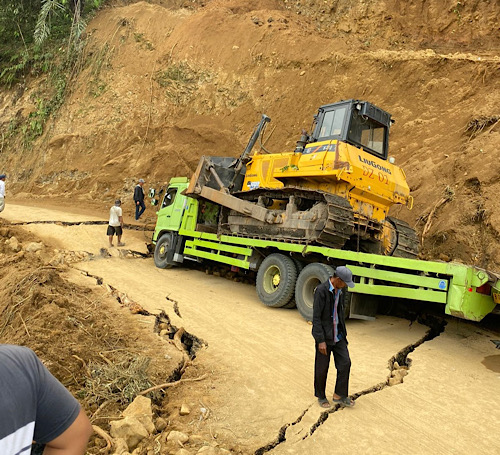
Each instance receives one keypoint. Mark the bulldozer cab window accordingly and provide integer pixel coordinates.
(169, 197)
(332, 123)
(369, 134)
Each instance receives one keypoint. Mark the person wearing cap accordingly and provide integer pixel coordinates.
(139, 199)
(116, 223)
(330, 336)
(2, 191)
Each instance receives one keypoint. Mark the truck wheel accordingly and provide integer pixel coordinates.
(164, 251)
(312, 275)
(276, 280)
(299, 266)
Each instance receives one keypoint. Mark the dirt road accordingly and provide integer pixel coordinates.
(260, 361)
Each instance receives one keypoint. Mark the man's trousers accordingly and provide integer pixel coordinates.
(342, 364)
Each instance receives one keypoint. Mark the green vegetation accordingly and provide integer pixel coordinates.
(101, 59)
(40, 37)
(144, 43)
(181, 81)
(457, 10)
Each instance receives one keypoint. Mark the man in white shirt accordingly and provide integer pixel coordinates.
(116, 223)
(2, 191)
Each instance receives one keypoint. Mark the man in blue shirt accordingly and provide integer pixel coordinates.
(330, 335)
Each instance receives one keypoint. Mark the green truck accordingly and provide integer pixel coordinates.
(288, 272)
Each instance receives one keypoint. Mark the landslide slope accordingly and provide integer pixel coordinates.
(162, 83)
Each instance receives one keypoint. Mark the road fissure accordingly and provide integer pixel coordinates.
(399, 365)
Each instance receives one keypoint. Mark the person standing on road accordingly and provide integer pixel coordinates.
(2, 191)
(330, 336)
(35, 406)
(139, 199)
(116, 223)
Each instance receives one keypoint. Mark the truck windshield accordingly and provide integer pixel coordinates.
(332, 123)
(367, 133)
(169, 197)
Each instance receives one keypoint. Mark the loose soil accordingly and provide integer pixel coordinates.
(162, 83)
(256, 363)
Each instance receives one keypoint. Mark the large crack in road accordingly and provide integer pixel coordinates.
(132, 227)
(187, 343)
(103, 252)
(399, 366)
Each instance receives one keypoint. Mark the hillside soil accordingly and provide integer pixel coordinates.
(253, 365)
(161, 83)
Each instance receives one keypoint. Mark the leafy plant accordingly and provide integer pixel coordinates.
(42, 28)
(457, 11)
(139, 38)
(35, 123)
(181, 80)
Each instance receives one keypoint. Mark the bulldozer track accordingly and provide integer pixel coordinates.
(340, 223)
(336, 229)
(408, 243)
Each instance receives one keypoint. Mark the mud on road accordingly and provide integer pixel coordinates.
(417, 389)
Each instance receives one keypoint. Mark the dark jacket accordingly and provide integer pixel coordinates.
(138, 194)
(322, 329)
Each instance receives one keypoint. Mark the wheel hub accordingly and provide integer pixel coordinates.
(272, 279)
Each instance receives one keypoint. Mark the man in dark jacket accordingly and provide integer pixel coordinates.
(139, 199)
(330, 335)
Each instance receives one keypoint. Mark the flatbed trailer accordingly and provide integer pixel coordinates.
(466, 292)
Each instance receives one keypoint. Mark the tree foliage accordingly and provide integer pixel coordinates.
(29, 28)
(41, 36)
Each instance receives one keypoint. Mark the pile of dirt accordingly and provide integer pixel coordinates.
(97, 347)
(165, 82)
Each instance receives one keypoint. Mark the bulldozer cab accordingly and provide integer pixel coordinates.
(358, 123)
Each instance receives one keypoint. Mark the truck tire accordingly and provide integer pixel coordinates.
(311, 276)
(299, 266)
(276, 280)
(164, 251)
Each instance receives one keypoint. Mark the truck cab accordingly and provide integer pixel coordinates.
(359, 123)
(172, 207)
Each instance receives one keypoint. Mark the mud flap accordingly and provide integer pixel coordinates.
(361, 306)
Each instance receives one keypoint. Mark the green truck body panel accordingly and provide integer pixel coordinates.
(452, 284)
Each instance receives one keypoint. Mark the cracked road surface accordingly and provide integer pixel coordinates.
(261, 361)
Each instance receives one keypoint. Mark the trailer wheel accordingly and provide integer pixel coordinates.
(299, 266)
(312, 275)
(276, 280)
(164, 251)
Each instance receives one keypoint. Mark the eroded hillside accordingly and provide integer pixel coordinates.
(161, 84)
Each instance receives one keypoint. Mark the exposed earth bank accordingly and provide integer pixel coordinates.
(162, 83)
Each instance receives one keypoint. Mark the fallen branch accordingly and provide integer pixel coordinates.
(448, 196)
(494, 124)
(431, 214)
(84, 364)
(171, 384)
(177, 339)
(100, 408)
(100, 432)
(24, 324)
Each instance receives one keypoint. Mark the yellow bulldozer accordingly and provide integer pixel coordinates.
(334, 189)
